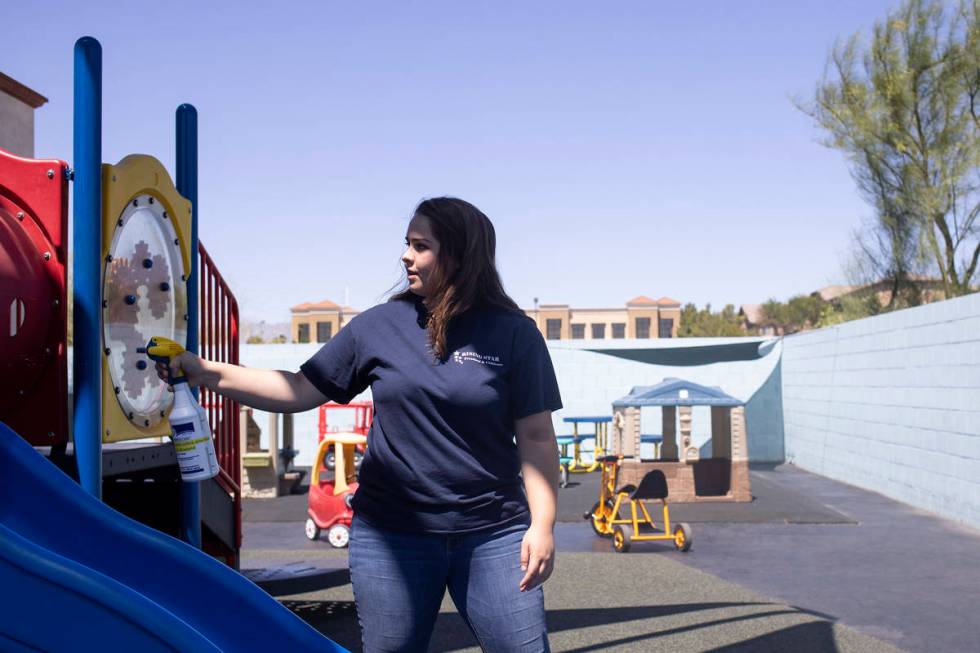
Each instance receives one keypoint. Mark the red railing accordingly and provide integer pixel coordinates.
(218, 341)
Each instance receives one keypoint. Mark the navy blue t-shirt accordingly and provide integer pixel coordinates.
(441, 456)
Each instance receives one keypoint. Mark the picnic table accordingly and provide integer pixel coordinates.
(573, 462)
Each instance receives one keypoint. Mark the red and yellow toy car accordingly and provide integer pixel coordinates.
(332, 491)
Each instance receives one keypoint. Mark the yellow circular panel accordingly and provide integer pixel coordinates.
(144, 295)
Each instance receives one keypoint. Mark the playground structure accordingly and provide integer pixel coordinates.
(115, 583)
(139, 271)
(722, 477)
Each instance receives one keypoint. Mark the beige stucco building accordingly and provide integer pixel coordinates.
(642, 317)
(17, 104)
(319, 321)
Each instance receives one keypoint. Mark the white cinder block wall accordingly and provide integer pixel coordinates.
(892, 404)
(589, 383)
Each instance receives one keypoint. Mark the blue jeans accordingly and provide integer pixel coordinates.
(399, 580)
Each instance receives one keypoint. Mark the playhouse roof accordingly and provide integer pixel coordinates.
(669, 393)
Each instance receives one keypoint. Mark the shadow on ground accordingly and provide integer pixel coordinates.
(338, 620)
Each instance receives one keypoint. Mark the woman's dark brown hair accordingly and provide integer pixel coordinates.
(466, 272)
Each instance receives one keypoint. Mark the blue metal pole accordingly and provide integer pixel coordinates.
(190, 493)
(87, 243)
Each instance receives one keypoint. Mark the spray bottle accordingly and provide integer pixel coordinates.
(191, 433)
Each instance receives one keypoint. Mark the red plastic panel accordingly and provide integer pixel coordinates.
(33, 302)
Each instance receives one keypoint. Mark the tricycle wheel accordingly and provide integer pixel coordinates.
(338, 536)
(621, 540)
(330, 460)
(312, 530)
(601, 518)
(682, 537)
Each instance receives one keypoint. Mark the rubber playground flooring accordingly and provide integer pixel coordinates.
(810, 565)
(775, 501)
(612, 602)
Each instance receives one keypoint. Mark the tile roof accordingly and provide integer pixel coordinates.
(642, 300)
(326, 304)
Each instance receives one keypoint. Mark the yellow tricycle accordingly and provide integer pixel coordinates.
(606, 520)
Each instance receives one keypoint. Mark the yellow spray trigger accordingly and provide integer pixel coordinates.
(164, 350)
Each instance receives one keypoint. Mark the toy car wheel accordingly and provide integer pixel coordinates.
(338, 536)
(682, 537)
(312, 530)
(601, 518)
(330, 460)
(358, 457)
(621, 540)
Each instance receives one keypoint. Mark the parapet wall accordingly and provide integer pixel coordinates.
(892, 404)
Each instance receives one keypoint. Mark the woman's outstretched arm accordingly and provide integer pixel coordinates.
(275, 391)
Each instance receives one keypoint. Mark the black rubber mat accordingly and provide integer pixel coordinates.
(774, 501)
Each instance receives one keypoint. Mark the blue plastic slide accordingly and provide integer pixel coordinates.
(75, 575)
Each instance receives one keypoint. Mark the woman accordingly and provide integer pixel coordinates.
(456, 371)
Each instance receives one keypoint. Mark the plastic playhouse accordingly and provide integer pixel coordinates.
(724, 476)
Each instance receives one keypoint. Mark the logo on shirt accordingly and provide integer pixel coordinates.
(471, 356)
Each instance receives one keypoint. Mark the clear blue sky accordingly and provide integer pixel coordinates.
(620, 148)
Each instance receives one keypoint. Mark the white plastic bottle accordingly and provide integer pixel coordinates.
(191, 432)
(192, 436)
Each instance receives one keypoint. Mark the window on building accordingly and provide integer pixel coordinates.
(553, 329)
(578, 332)
(642, 327)
(323, 331)
(618, 330)
(666, 327)
(303, 333)
(598, 331)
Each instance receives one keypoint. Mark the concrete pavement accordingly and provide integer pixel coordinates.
(811, 565)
